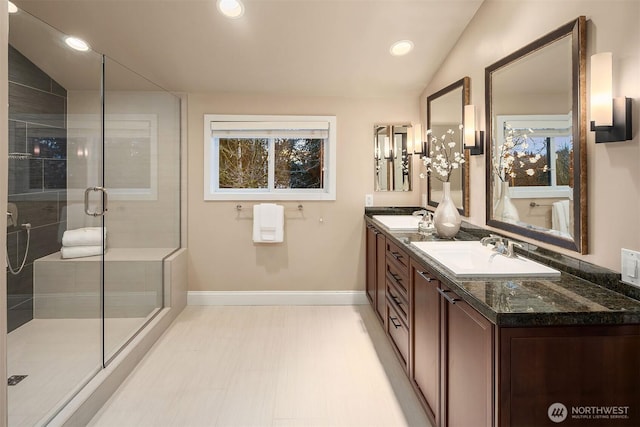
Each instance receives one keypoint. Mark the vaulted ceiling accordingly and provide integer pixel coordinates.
(294, 47)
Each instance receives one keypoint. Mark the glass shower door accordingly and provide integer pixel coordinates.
(142, 177)
(54, 344)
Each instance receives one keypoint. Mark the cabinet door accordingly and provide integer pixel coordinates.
(467, 364)
(371, 264)
(425, 331)
(381, 285)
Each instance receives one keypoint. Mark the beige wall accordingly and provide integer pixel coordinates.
(324, 245)
(133, 221)
(502, 26)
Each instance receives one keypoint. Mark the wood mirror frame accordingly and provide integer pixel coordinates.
(440, 118)
(576, 237)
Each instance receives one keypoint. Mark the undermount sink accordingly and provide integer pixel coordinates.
(472, 259)
(399, 222)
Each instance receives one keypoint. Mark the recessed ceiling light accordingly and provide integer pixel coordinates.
(401, 48)
(77, 44)
(231, 8)
(12, 8)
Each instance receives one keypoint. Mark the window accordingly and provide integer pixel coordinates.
(542, 168)
(269, 157)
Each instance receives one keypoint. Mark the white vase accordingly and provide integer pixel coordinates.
(446, 217)
(504, 209)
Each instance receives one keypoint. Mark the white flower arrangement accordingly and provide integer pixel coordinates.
(513, 152)
(442, 159)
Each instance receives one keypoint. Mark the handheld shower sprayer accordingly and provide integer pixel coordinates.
(12, 220)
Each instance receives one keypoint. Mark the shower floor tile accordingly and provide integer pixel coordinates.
(58, 355)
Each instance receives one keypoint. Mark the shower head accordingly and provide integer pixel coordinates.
(20, 156)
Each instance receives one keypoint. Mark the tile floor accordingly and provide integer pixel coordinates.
(58, 356)
(316, 366)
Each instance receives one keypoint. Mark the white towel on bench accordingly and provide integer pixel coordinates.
(87, 236)
(80, 251)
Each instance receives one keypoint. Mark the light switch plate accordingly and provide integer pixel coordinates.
(630, 267)
(368, 200)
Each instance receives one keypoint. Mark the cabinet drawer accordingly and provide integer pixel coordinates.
(424, 277)
(398, 301)
(398, 276)
(398, 332)
(398, 257)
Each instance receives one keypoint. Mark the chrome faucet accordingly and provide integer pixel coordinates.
(502, 245)
(510, 248)
(425, 226)
(493, 239)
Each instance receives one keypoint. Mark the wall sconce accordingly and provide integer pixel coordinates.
(419, 147)
(473, 139)
(386, 148)
(611, 117)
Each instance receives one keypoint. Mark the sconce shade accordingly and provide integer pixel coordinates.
(417, 139)
(610, 117)
(473, 139)
(602, 89)
(387, 147)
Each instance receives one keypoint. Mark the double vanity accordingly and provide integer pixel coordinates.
(488, 339)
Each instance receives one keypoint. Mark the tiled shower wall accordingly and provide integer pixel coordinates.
(37, 184)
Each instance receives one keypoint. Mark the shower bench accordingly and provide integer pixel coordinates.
(70, 288)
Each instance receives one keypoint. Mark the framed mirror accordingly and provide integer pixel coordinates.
(392, 157)
(536, 139)
(445, 114)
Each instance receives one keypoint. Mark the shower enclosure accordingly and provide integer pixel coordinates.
(93, 210)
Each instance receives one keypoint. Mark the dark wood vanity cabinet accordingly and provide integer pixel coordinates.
(591, 370)
(376, 266)
(397, 294)
(372, 233)
(452, 354)
(466, 372)
(425, 339)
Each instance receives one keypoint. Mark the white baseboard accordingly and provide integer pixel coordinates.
(276, 298)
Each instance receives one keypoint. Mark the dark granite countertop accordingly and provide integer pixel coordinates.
(584, 294)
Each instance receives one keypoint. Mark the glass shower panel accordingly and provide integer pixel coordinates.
(142, 178)
(55, 152)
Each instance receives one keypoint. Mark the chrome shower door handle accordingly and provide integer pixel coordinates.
(104, 201)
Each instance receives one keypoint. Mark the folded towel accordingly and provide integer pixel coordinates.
(87, 236)
(560, 217)
(80, 251)
(268, 223)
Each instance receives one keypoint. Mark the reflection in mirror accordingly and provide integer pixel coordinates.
(445, 110)
(392, 157)
(536, 123)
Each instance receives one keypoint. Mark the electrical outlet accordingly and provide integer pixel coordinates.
(630, 267)
(368, 200)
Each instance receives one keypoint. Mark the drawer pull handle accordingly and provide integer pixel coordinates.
(393, 322)
(448, 297)
(423, 274)
(395, 277)
(396, 255)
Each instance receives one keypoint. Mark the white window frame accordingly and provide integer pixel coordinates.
(211, 160)
(550, 121)
(85, 128)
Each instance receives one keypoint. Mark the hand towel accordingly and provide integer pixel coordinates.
(68, 252)
(87, 236)
(268, 223)
(560, 218)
